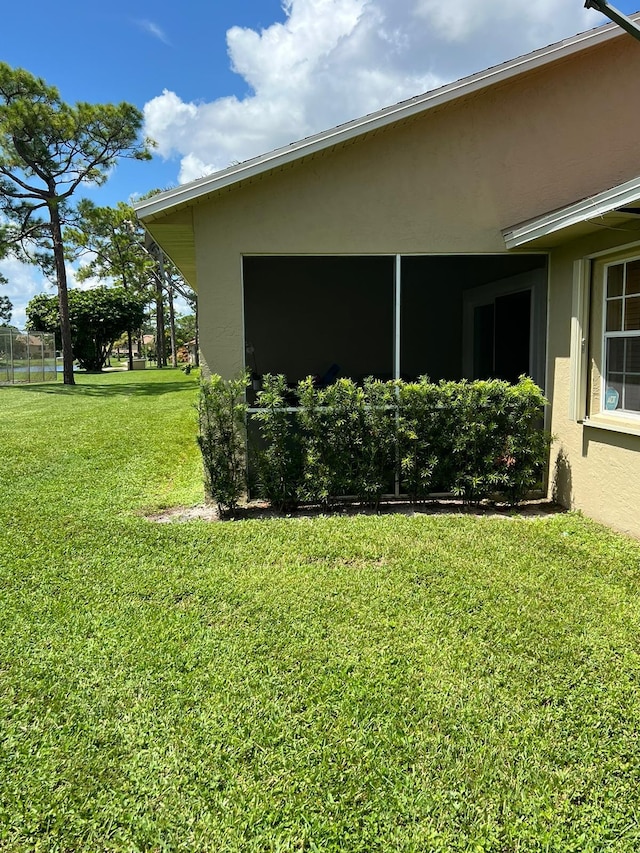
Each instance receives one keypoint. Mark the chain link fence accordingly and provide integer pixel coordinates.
(27, 356)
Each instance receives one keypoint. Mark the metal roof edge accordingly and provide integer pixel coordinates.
(162, 202)
(574, 214)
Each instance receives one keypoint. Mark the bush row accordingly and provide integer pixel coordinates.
(470, 439)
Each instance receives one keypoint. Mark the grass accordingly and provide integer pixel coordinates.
(388, 683)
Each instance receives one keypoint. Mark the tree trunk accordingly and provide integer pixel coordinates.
(130, 345)
(125, 284)
(172, 324)
(63, 294)
(160, 359)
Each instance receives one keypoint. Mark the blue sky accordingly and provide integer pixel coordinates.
(223, 81)
(122, 51)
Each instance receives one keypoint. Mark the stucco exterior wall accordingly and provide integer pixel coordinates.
(593, 469)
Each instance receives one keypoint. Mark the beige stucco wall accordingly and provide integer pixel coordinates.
(448, 182)
(592, 468)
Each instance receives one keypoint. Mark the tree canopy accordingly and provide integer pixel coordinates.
(185, 329)
(97, 318)
(5, 309)
(48, 149)
(111, 240)
(5, 304)
(110, 243)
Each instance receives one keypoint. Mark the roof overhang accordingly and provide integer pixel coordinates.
(608, 209)
(174, 233)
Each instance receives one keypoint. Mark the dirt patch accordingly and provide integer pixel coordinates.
(202, 512)
(261, 509)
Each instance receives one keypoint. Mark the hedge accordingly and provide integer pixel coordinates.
(314, 445)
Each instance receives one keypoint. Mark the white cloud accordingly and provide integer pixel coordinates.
(25, 282)
(171, 119)
(192, 168)
(333, 60)
(87, 284)
(153, 29)
(461, 20)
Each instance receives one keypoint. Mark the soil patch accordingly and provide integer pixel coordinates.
(261, 509)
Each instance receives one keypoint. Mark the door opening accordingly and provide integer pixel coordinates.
(504, 329)
(502, 337)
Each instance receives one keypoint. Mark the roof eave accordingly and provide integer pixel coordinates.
(588, 209)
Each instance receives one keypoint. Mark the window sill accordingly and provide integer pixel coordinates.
(630, 426)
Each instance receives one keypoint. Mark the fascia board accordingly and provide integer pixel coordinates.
(187, 193)
(574, 214)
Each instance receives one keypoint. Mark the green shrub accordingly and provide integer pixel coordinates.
(376, 451)
(329, 421)
(526, 447)
(420, 436)
(278, 458)
(477, 439)
(499, 446)
(473, 439)
(222, 439)
(347, 437)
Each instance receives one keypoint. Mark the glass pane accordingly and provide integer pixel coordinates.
(633, 355)
(614, 315)
(614, 280)
(632, 394)
(632, 313)
(615, 355)
(633, 277)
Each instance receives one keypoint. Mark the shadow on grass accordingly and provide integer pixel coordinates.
(110, 389)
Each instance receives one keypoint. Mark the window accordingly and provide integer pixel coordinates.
(621, 375)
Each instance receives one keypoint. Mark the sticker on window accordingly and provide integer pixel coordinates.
(611, 399)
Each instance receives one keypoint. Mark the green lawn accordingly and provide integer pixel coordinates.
(391, 683)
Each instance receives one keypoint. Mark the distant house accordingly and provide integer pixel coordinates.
(488, 228)
(146, 341)
(30, 345)
(192, 350)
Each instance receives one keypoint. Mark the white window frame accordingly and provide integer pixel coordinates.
(579, 345)
(626, 414)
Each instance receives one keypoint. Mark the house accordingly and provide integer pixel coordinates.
(31, 345)
(488, 228)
